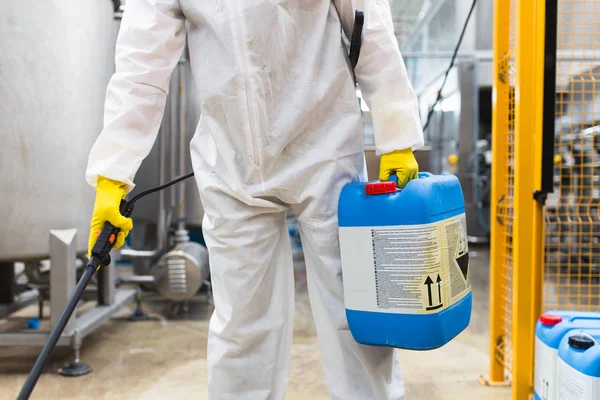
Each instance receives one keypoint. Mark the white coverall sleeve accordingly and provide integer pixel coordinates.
(149, 45)
(381, 76)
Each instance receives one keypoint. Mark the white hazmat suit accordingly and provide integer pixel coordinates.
(280, 128)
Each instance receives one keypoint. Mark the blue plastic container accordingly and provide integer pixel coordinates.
(579, 365)
(405, 262)
(549, 331)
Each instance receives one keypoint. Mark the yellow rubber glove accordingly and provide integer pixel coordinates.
(400, 162)
(106, 208)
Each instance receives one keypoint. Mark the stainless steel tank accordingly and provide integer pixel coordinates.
(56, 59)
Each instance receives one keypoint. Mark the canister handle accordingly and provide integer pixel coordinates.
(422, 175)
(394, 177)
(389, 186)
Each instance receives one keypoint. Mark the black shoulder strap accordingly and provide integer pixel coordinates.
(355, 42)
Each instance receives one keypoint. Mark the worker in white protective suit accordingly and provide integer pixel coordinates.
(280, 128)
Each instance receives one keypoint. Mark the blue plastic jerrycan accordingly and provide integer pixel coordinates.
(579, 365)
(549, 331)
(405, 262)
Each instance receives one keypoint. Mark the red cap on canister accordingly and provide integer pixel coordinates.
(380, 187)
(550, 320)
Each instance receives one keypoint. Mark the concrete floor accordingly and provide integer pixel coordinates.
(159, 359)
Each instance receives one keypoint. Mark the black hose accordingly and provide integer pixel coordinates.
(161, 187)
(460, 39)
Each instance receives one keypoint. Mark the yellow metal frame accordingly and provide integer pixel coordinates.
(499, 166)
(528, 226)
(524, 276)
(526, 237)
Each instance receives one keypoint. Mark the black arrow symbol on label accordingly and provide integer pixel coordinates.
(429, 282)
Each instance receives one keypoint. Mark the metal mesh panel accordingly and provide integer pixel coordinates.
(506, 202)
(572, 221)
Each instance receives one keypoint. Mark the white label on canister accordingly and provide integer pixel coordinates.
(415, 269)
(545, 371)
(574, 385)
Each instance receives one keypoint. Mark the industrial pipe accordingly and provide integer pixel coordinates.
(181, 233)
(182, 147)
(172, 136)
(178, 147)
(136, 279)
(161, 228)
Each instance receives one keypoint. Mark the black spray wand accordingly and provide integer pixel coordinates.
(100, 256)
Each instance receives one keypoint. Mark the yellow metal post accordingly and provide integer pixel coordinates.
(528, 225)
(500, 99)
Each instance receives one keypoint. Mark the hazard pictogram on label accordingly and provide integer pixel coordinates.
(458, 254)
(462, 253)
